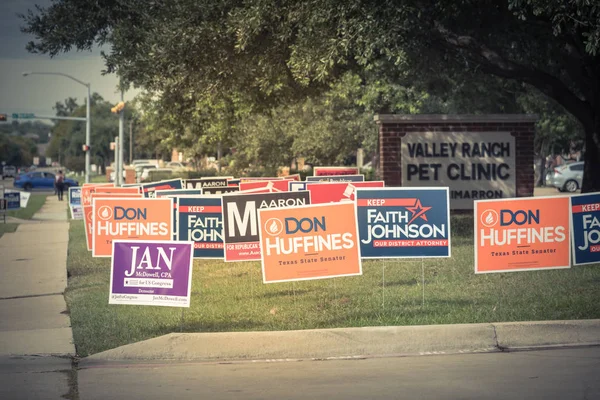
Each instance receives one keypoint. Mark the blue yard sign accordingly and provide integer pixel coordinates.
(199, 219)
(585, 220)
(403, 222)
(13, 200)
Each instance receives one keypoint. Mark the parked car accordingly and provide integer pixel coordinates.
(140, 168)
(9, 171)
(40, 179)
(568, 178)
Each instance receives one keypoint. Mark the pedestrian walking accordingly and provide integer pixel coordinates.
(59, 184)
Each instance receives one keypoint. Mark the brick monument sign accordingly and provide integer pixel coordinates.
(476, 156)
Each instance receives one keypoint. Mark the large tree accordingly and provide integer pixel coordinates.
(276, 49)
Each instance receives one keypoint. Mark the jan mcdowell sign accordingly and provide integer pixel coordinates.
(151, 273)
(200, 220)
(585, 220)
(522, 234)
(240, 220)
(474, 165)
(311, 242)
(403, 222)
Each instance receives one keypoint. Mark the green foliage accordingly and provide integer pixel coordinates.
(68, 136)
(17, 150)
(219, 70)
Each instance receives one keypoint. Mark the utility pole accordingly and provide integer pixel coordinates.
(131, 141)
(121, 141)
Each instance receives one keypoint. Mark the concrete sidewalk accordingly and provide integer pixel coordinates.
(357, 342)
(36, 341)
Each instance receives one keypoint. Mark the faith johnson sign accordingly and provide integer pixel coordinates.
(240, 220)
(334, 192)
(522, 234)
(311, 242)
(403, 222)
(585, 220)
(474, 165)
(200, 220)
(151, 273)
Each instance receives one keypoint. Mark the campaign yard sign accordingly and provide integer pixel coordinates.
(129, 219)
(403, 222)
(13, 200)
(329, 171)
(88, 215)
(295, 186)
(206, 182)
(273, 186)
(585, 228)
(75, 202)
(240, 220)
(178, 192)
(87, 189)
(151, 273)
(220, 190)
(522, 234)
(117, 190)
(334, 192)
(200, 220)
(149, 188)
(310, 242)
(336, 178)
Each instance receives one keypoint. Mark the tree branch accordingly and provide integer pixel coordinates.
(496, 64)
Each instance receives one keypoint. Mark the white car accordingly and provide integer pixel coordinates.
(141, 168)
(568, 178)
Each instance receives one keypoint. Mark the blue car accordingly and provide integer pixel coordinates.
(40, 180)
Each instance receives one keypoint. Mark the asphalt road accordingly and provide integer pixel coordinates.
(548, 374)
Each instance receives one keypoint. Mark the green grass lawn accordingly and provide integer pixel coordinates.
(36, 201)
(7, 228)
(232, 297)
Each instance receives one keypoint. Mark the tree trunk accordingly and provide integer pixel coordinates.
(541, 178)
(591, 171)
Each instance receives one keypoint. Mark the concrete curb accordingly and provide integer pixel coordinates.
(356, 342)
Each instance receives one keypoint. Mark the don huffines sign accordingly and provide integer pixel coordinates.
(522, 234)
(129, 218)
(154, 273)
(474, 165)
(403, 222)
(310, 242)
(585, 217)
(240, 220)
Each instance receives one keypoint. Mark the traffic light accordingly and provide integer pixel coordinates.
(2, 117)
(85, 147)
(118, 108)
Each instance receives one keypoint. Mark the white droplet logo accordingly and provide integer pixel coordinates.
(273, 226)
(105, 213)
(489, 218)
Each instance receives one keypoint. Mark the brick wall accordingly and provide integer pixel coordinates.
(392, 128)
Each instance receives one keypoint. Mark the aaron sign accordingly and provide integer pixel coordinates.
(474, 165)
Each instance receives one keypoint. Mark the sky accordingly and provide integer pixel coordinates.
(38, 93)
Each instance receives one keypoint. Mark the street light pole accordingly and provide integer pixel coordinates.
(87, 118)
